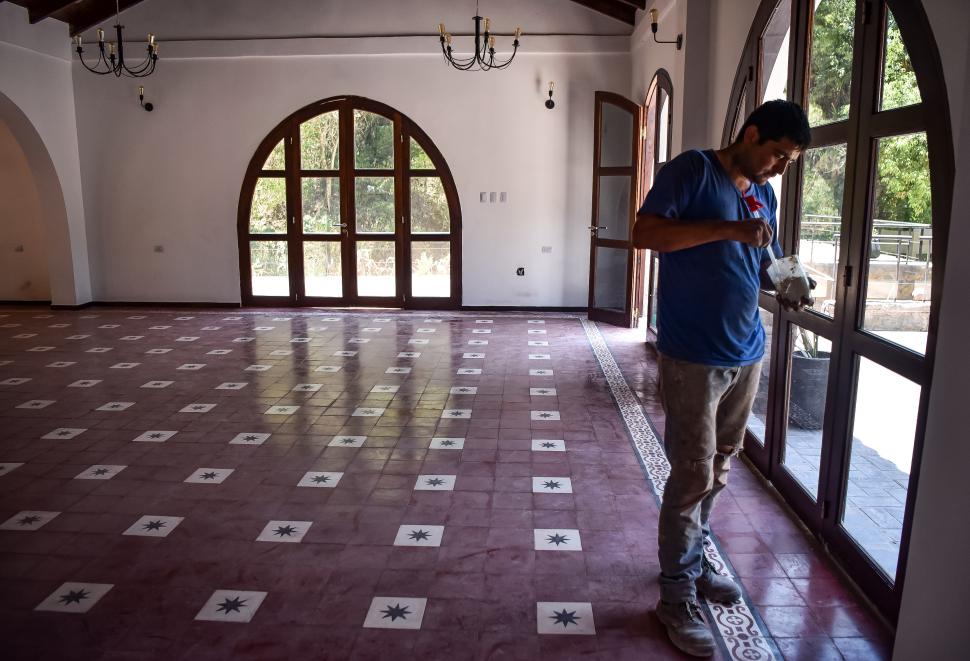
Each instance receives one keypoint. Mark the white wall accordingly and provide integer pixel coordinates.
(173, 176)
(23, 248)
(37, 104)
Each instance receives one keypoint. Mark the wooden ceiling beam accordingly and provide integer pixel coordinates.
(639, 4)
(86, 14)
(618, 9)
(38, 10)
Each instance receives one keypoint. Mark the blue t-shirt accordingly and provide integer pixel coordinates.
(707, 310)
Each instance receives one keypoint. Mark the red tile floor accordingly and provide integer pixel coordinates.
(443, 485)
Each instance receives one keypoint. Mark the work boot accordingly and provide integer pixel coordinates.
(686, 628)
(715, 586)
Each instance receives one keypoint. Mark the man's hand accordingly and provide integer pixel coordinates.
(797, 307)
(754, 232)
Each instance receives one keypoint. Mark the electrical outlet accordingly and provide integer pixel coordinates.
(546, 250)
(520, 270)
(159, 248)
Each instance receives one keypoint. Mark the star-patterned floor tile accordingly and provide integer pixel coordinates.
(115, 406)
(258, 368)
(299, 340)
(483, 331)
(552, 485)
(249, 438)
(157, 384)
(77, 337)
(159, 327)
(408, 354)
(158, 351)
(536, 331)
(231, 606)
(232, 319)
(209, 475)
(427, 330)
(538, 343)
(419, 535)
(473, 355)
(154, 436)
(218, 352)
(154, 526)
(418, 341)
(535, 321)
(463, 390)
(63, 433)
(124, 366)
(343, 441)
(484, 321)
(36, 404)
(137, 316)
(370, 330)
(539, 356)
(457, 414)
(328, 368)
(557, 539)
(395, 613)
(62, 363)
(8, 466)
(469, 371)
(284, 531)
(197, 407)
(281, 352)
(132, 338)
(187, 338)
(542, 392)
(28, 520)
(477, 343)
(108, 326)
(281, 410)
(191, 366)
(74, 597)
(435, 483)
(551, 445)
(324, 479)
(14, 381)
(231, 385)
(41, 349)
(383, 388)
(307, 387)
(24, 336)
(211, 328)
(382, 320)
(431, 320)
(263, 328)
(540, 372)
(446, 443)
(99, 472)
(544, 416)
(565, 617)
(358, 340)
(397, 370)
(346, 354)
(368, 412)
(243, 339)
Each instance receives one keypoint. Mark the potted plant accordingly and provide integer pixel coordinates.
(809, 380)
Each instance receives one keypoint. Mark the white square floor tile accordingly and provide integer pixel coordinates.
(557, 539)
(159, 327)
(231, 606)
(154, 436)
(435, 483)
(232, 319)
(307, 387)
(426, 330)
(540, 372)
(191, 366)
(263, 328)
(36, 404)
(136, 316)
(347, 441)
(477, 343)
(552, 445)
(346, 354)
(542, 392)
(565, 617)
(382, 320)
(431, 320)
(218, 352)
(536, 331)
(115, 406)
(358, 340)
(28, 520)
(124, 366)
(545, 416)
(408, 354)
(552, 485)
(99, 472)
(258, 368)
(318, 329)
(132, 338)
(382, 388)
(328, 368)
(209, 475)
(484, 321)
(469, 370)
(24, 336)
(154, 526)
(473, 355)
(59, 325)
(329, 318)
(324, 479)
(368, 412)
(463, 390)
(281, 410)
(299, 340)
(108, 326)
(8, 466)
(74, 597)
(250, 438)
(397, 370)
(395, 613)
(40, 349)
(63, 433)
(211, 328)
(62, 363)
(535, 321)
(446, 443)
(14, 381)
(418, 535)
(99, 350)
(197, 408)
(281, 352)
(184, 318)
(157, 384)
(157, 352)
(539, 356)
(243, 339)
(538, 343)
(417, 341)
(187, 338)
(483, 331)
(284, 531)
(231, 385)
(457, 414)
(282, 318)
(370, 330)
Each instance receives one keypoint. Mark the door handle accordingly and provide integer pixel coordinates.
(594, 228)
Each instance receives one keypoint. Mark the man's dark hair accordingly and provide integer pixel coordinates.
(779, 119)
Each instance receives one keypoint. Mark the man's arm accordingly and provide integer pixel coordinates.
(661, 234)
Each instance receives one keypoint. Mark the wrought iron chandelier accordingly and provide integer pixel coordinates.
(483, 58)
(112, 59)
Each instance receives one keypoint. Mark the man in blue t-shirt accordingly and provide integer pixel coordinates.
(711, 215)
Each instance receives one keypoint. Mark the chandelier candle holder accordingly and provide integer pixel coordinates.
(483, 58)
(111, 56)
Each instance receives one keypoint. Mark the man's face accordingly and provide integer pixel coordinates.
(761, 162)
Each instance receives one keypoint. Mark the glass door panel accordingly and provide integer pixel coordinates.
(268, 211)
(614, 208)
(759, 410)
(610, 289)
(898, 86)
(883, 434)
(321, 205)
(275, 159)
(431, 269)
(429, 206)
(830, 73)
(320, 142)
(322, 273)
(269, 268)
(820, 227)
(373, 141)
(616, 135)
(374, 204)
(774, 55)
(376, 268)
(898, 284)
(419, 158)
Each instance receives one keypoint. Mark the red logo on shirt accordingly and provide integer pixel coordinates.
(753, 203)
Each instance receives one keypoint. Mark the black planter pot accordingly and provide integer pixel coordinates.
(809, 379)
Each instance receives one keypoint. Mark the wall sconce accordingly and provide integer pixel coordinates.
(549, 102)
(141, 99)
(653, 28)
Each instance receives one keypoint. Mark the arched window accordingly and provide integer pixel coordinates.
(348, 202)
(838, 425)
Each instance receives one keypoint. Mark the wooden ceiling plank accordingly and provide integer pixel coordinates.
(617, 9)
(38, 10)
(639, 4)
(87, 14)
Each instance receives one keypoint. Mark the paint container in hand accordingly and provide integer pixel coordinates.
(789, 278)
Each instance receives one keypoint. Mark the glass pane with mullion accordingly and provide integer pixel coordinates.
(820, 226)
(419, 157)
(759, 410)
(429, 206)
(774, 55)
(373, 141)
(322, 268)
(616, 136)
(830, 67)
(431, 269)
(275, 160)
(374, 204)
(267, 215)
(321, 205)
(610, 284)
(269, 268)
(880, 461)
(613, 211)
(899, 87)
(898, 289)
(808, 382)
(376, 275)
(320, 142)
